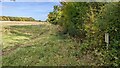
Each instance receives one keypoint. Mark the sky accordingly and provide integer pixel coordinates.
(37, 10)
(32, 0)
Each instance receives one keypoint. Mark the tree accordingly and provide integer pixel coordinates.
(9, 18)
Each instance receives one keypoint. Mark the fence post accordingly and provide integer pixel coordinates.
(107, 39)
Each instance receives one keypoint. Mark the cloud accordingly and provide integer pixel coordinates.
(2, 6)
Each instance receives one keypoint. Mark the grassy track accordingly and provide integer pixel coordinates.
(39, 45)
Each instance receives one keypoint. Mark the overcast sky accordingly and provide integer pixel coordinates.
(37, 10)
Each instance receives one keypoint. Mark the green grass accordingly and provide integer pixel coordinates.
(39, 45)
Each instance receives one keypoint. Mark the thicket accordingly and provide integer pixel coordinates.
(9, 18)
(88, 23)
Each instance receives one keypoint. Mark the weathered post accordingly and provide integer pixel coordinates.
(107, 39)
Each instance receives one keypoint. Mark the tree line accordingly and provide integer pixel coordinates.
(87, 23)
(9, 18)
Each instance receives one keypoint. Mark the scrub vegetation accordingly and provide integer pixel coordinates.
(88, 23)
(74, 35)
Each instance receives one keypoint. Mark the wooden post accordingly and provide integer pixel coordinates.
(107, 39)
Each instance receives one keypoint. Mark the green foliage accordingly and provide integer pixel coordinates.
(89, 22)
(108, 22)
(8, 18)
(86, 23)
(53, 16)
(73, 16)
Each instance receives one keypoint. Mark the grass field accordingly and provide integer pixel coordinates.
(39, 45)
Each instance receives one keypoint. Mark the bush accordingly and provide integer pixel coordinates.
(90, 22)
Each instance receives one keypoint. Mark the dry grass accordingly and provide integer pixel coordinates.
(12, 23)
(39, 45)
